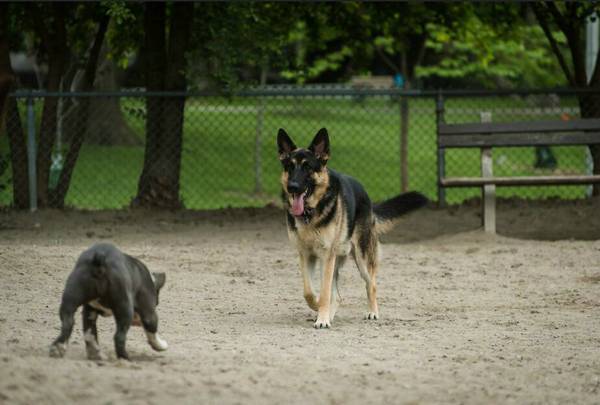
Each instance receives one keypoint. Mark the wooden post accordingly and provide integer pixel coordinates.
(488, 197)
(489, 192)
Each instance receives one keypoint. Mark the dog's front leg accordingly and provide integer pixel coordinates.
(307, 268)
(323, 318)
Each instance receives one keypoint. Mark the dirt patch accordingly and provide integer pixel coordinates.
(466, 317)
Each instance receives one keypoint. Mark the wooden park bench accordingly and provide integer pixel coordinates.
(487, 135)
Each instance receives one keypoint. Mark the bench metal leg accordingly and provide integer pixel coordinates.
(489, 192)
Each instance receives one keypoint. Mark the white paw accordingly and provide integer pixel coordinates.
(95, 355)
(322, 323)
(156, 342)
(93, 352)
(58, 350)
(92, 348)
(371, 316)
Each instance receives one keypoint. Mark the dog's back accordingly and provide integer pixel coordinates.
(95, 268)
(108, 282)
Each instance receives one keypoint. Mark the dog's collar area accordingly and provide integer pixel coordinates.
(307, 215)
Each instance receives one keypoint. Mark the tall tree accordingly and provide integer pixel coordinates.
(570, 18)
(53, 31)
(165, 67)
(107, 126)
(57, 196)
(7, 78)
(56, 30)
(14, 129)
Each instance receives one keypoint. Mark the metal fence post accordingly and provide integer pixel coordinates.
(258, 187)
(441, 158)
(31, 155)
(403, 143)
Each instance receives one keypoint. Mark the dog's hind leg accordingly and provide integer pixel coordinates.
(366, 256)
(90, 333)
(67, 319)
(307, 268)
(123, 314)
(334, 287)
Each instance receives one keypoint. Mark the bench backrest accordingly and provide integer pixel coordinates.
(573, 132)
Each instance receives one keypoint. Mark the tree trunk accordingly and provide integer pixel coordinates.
(56, 39)
(589, 106)
(18, 155)
(173, 114)
(7, 77)
(58, 195)
(155, 70)
(158, 186)
(14, 127)
(107, 125)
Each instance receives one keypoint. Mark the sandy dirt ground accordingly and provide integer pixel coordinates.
(465, 317)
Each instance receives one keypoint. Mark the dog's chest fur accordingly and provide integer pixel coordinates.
(319, 240)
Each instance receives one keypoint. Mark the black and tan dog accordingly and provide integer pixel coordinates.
(330, 216)
(108, 282)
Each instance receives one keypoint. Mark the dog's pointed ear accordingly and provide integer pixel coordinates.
(320, 145)
(285, 144)
(159, 280)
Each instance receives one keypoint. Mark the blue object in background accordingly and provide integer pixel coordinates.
(399, 80)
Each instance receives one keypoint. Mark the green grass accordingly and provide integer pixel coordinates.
(218, 156)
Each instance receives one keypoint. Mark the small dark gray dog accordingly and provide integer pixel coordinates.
(109, 282)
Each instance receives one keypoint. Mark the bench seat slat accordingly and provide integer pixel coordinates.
(529, 139)
(519, 181)
(586, 124)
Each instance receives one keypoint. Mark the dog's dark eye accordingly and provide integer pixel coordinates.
(306, 166)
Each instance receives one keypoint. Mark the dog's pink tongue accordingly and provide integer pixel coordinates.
(298, 205)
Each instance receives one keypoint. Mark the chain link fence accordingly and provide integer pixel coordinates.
(89, 151)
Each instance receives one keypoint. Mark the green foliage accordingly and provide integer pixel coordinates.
(301, 71)
(492, 56)
(118, 11)
(125, 32)
(322, 40)
(488, 44)
(237, 35)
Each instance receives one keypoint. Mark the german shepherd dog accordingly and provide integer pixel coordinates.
(330, 216)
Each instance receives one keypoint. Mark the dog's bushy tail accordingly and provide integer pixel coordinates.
(99, 264)
(388, 211)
